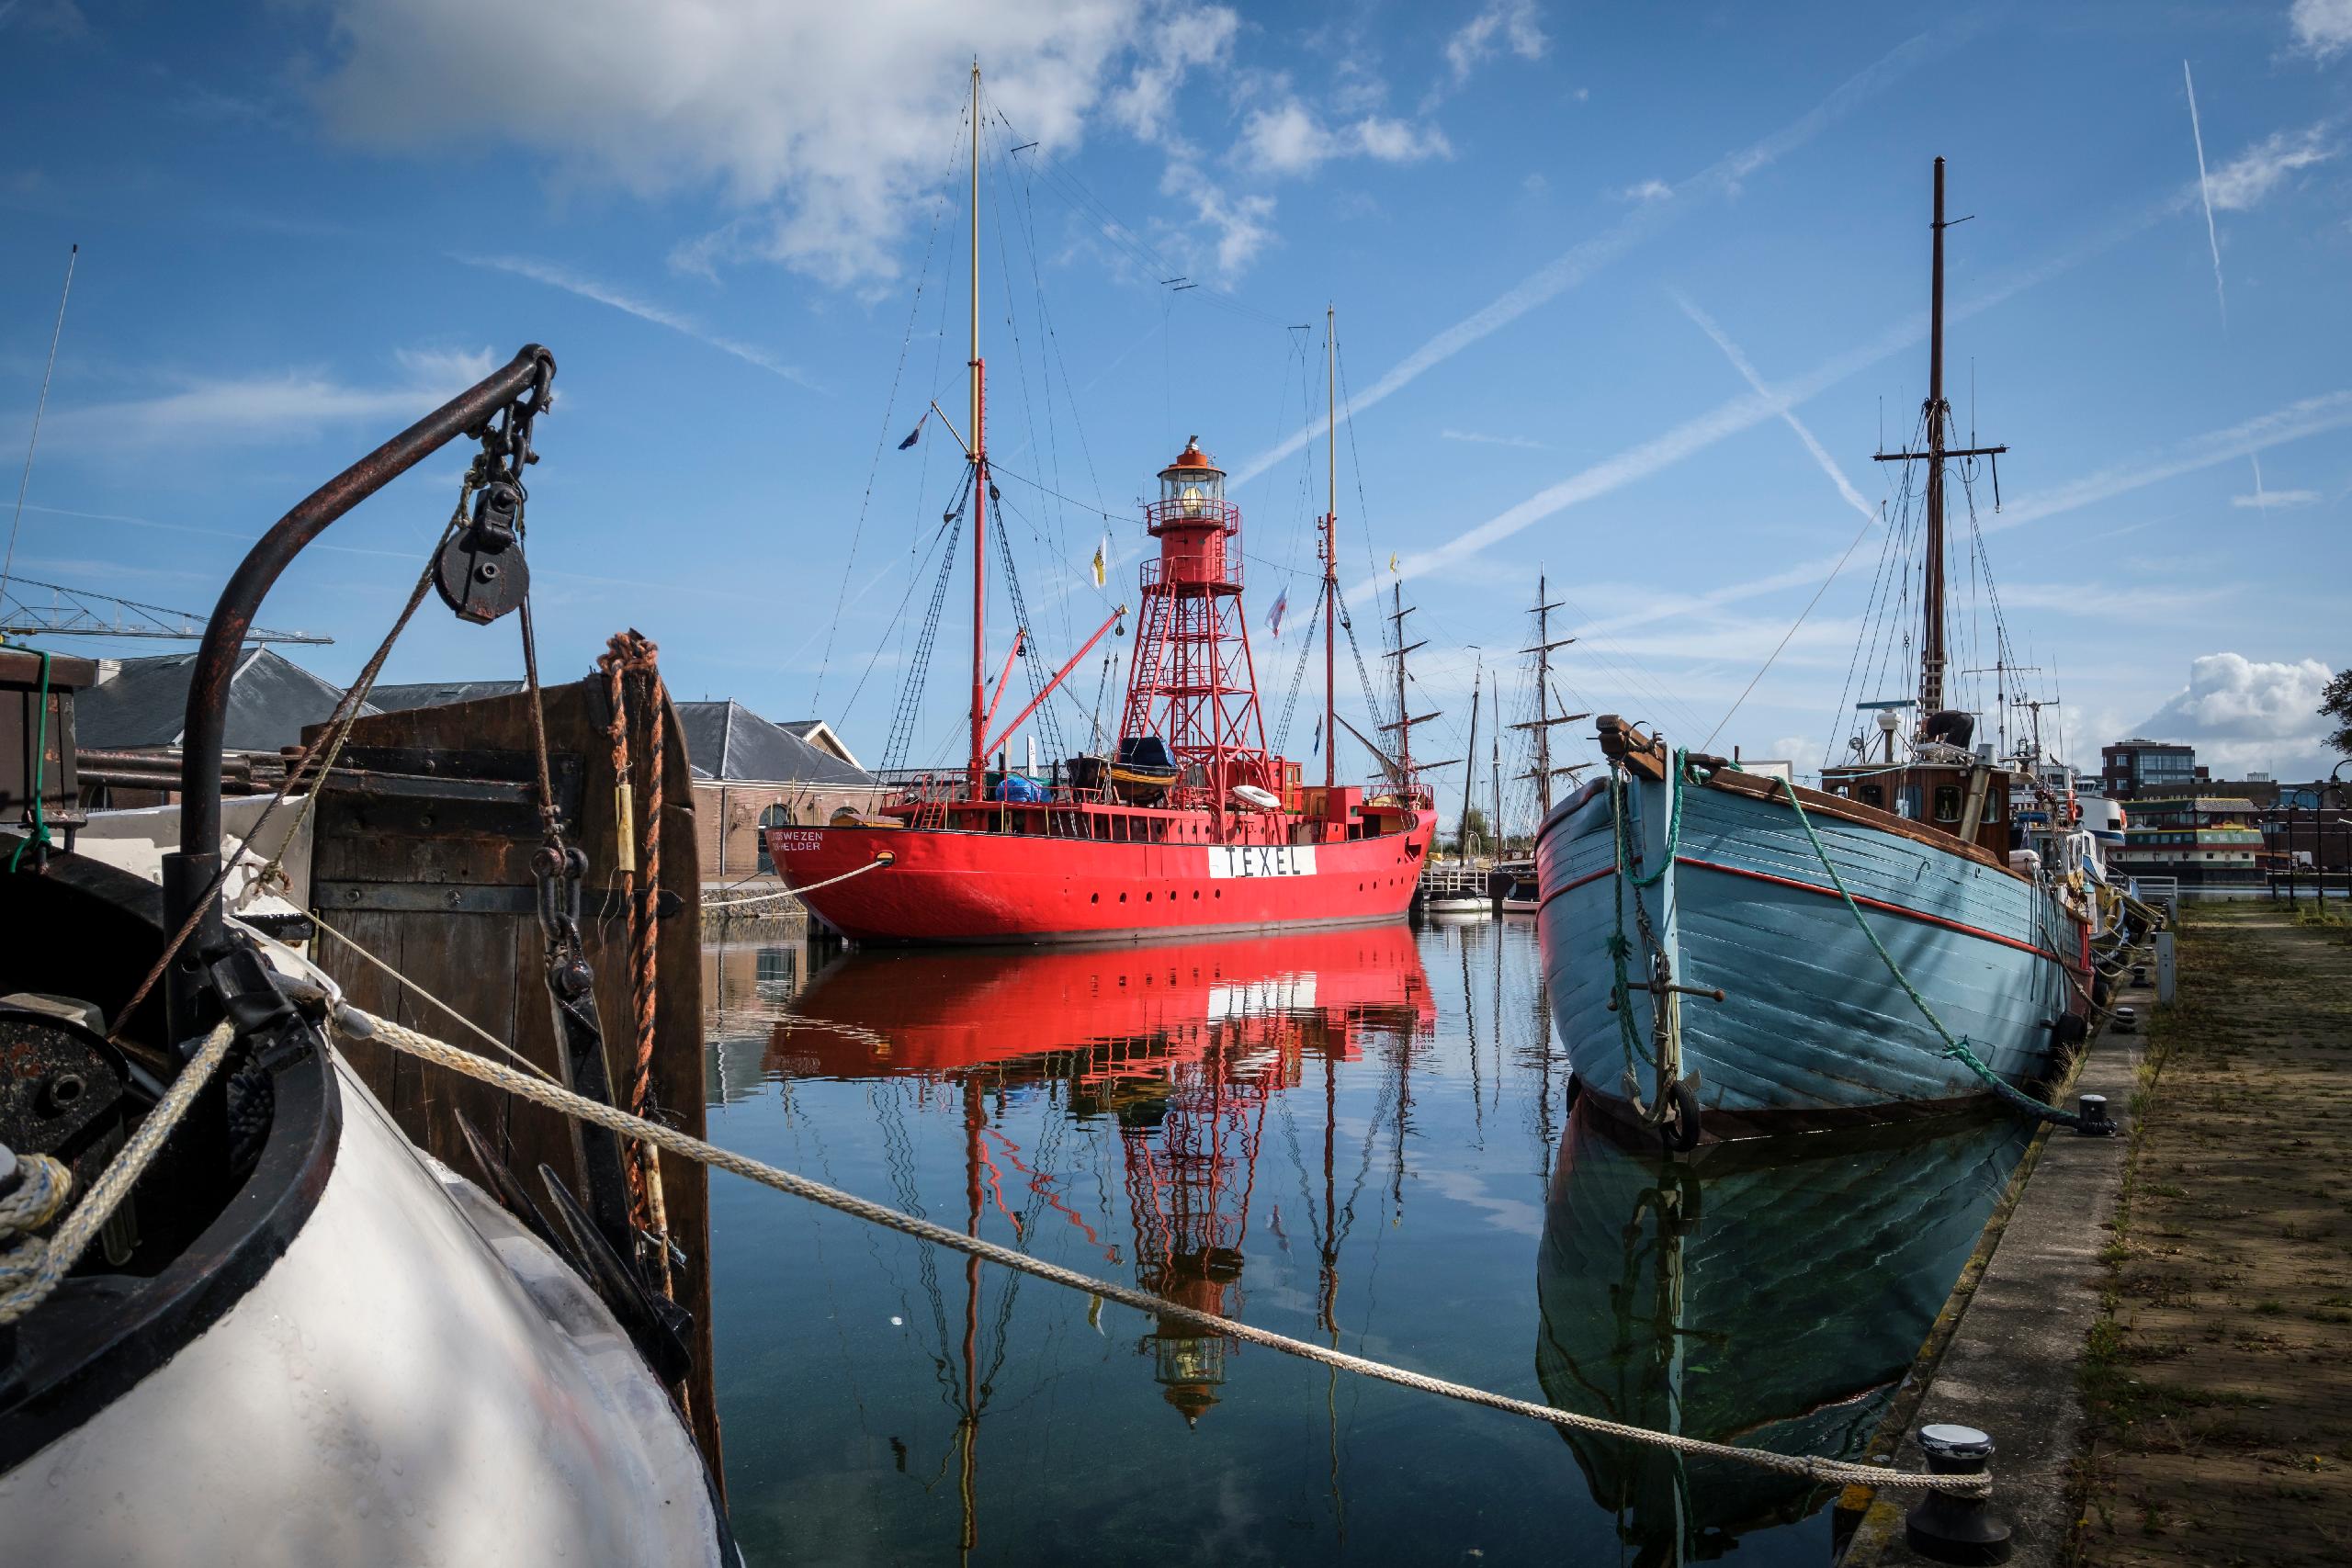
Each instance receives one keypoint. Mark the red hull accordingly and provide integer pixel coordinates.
(962, 886)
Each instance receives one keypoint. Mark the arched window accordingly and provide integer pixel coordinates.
(773, 817)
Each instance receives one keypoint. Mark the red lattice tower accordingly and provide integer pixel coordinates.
(1191, 1149)
(1193, 683)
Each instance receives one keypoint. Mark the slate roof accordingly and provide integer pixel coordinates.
(437, 693)
(145, 702)
(727, 740)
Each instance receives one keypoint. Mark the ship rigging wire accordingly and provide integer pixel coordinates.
(881, 443)
(24, 482)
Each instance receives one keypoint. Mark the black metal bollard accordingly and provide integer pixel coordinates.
(2093, 1109)
(1949, 1528)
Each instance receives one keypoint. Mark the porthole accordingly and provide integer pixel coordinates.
(1146, 897)
(1094, 897)
(1123, 898)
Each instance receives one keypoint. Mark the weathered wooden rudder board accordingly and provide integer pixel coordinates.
(424, 838)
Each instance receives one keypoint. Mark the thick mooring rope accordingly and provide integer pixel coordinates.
(357, 1024)
(885, 858)
(30, 1271)
(1955, 1046)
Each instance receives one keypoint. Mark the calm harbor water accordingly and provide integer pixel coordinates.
(1357, 1137)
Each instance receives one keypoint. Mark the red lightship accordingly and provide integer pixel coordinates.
(1191, 824)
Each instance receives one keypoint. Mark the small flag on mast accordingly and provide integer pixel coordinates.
(1102, 562)
(1316, 750)
(916, 434)
(1392, 555)
(1274, 617)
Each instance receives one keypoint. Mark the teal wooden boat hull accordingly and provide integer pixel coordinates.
(1812, 1031)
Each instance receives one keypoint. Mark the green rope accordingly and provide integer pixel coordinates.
(1618, 946)
(40, 763)
(1954, 1047)
(1673, 824)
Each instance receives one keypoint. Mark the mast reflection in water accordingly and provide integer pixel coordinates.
(1347, 1137)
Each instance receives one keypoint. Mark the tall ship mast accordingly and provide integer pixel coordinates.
(1190, 822)
(1729, 954)
(1540, 770)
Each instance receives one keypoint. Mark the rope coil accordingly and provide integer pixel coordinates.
(358, 1024)
(44, 1183)
(33, 1268)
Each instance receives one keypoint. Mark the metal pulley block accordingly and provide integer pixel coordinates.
(481, 573)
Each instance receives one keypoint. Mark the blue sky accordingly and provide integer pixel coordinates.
(1626, 295)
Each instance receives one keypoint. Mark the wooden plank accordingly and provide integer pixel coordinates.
(365, 986)
(492, 967)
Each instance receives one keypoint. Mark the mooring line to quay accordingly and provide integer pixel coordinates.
(355, 1023)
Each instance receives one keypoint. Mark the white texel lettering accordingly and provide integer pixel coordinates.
(1261, 860)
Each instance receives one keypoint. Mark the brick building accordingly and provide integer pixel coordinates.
(751, 774)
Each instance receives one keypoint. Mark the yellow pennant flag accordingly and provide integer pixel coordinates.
(1392, 564)
(1102, 562)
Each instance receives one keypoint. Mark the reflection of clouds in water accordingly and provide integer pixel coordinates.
(1514, 1214)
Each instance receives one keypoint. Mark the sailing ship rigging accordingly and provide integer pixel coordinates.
(1189, 820)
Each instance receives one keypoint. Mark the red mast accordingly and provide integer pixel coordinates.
(1192, 684)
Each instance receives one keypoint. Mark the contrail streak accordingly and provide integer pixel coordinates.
(2214, 241)
(1739, 362)
(2205, 194)
(1580, 262)
(684, 326)
(2309, 416)
(1664, 451)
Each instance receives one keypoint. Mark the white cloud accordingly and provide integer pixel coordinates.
(2270, 498)
(2241, 712)
(2322, 27)
(2134, 604)
(1504, 24)
(272, 405)
(823, 125)
(56, 18)
(1178, 43)
(556, 276)
(1289, 139)
(1243, 225)
(1478, 438)
(2245, 180)
(1648, 190)
(447, 371)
